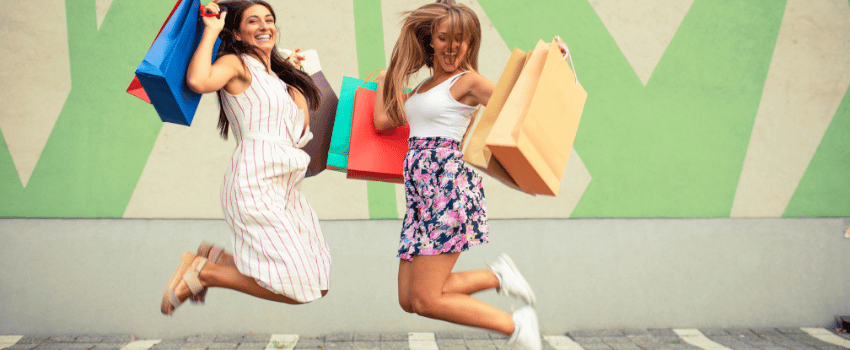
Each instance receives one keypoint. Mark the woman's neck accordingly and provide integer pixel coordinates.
(266, 58)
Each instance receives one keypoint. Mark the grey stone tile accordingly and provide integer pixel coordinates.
(616, 340)
(587, 340)
(171, 341)
(62, 338)
(229, 338)
(669, 340)
(257, 338)
(644, 339)
(90, 338)
(394, 337)
(109, 345)
(118, 338)
(172, 346)
(713, 331)
(339, 337)
(394, 345)
(739, 331)
(33, 339)
(195, 347)
(367, 337)
(791, 331)
(341, 345)
(596, 346)
(448, 335)
(306, 344)
(476, 335)
(200, 338)
(635, 332)
(251, 346)
(69, 346)
(653, 346)
(455, 344)
(480, 344)
(222, 346)
(624, 346)
(681, 346)
(662, 332)
(20, 346)
(366, 345)
(813, 342)
(597, 333)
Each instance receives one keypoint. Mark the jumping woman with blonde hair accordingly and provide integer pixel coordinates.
(446, 211)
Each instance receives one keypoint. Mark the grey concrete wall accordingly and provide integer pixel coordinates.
(107, 276)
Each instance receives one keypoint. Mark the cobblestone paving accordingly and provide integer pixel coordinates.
(627, 339)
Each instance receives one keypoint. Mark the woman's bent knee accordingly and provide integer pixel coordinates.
(422, 307)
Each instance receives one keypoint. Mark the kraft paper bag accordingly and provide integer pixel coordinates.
(373, 156)
(477, 153)
(535, 130)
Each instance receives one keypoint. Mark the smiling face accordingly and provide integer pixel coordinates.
(257, 28)
(448, 54)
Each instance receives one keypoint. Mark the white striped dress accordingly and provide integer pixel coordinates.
(277, 239)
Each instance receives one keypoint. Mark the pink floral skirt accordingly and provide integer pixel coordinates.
(446, 211)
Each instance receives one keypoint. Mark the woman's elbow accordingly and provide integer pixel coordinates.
(194, 85)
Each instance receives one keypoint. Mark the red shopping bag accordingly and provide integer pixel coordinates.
(135, 87)
(373, 156)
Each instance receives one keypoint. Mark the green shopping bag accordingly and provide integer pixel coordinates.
(341, 135)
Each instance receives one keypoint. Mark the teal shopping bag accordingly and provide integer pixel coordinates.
(341, 135)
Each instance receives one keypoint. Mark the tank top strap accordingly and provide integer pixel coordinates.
(454, 79)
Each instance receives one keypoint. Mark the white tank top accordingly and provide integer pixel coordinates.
(436, 113)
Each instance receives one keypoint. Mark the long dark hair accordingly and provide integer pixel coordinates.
(290, 75)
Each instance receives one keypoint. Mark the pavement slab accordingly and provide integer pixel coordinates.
(614, 339)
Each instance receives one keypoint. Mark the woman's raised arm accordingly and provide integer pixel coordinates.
(201, 76)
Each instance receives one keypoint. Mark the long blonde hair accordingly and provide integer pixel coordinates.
(413, 48)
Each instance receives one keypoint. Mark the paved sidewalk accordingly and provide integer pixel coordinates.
(632, 339)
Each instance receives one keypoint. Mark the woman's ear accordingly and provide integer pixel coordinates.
(236, 35)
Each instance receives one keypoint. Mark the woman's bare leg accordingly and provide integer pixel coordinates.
(421, 289)
(226, 276)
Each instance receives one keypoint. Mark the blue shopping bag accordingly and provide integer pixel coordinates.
(163, 71)
(341, 136)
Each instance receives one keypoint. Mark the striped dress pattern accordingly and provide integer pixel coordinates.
(276, 235)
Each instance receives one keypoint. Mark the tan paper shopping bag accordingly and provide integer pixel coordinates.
(476, 153)
(534, 133)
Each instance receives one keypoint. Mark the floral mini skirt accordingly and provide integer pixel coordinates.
(446, 211)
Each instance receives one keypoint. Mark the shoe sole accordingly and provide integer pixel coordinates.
(185, 264)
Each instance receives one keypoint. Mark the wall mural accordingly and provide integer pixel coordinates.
(696, 108)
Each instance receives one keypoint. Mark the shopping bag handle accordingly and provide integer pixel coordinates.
(567, 55)
(209, 14)
(368, 77)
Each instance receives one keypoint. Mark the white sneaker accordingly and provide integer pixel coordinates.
(526, 334)
(511, 281)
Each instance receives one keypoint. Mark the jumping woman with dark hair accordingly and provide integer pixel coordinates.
(446, 211)
(279, 251)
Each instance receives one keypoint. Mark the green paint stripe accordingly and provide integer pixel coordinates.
(824, 189)
(369, 33)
